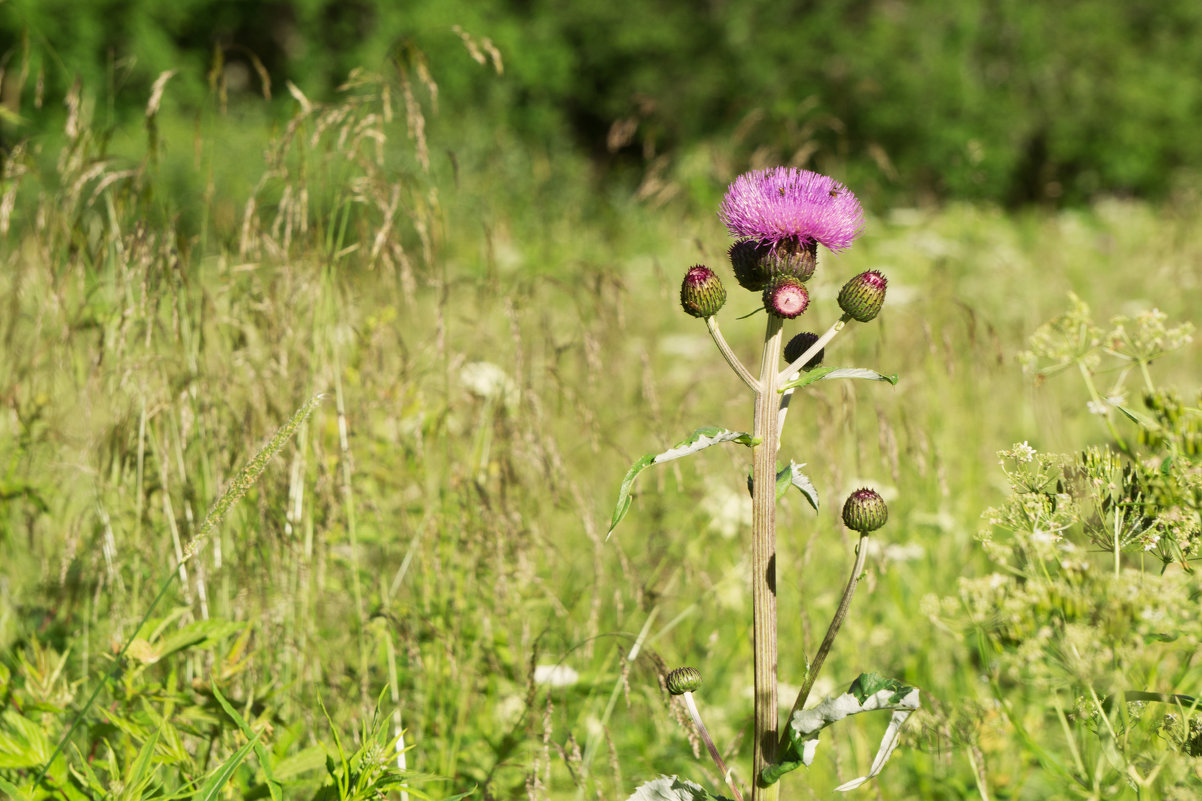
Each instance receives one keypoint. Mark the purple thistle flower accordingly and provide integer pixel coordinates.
(787, 203)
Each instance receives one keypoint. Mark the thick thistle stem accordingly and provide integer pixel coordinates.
(763, 558)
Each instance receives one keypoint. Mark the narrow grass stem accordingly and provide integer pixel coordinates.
(832, 630)
(763, 560)
(691, 705)
(794, 368)
(712, 324)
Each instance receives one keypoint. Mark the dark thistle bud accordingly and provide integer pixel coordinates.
(865, 511)
(785, 296)
(701, 292)
(684, 680)
(799, 345)
(747, 264)
(862, 297)
(795, 257)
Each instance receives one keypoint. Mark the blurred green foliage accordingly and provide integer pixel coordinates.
(977, 99)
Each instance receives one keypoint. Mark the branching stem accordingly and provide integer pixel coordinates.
(712, 324)
(833, 629)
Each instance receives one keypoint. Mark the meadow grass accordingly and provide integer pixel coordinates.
(496, 343)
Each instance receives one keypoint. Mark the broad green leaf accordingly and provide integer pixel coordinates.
(202, 632)
(699, 440)
(273, 785)
(23, 743)
(14, 792)
(824, 373)
(870, 692)
(671, 788)
(312, 758)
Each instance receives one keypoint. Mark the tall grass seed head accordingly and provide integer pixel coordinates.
(684, 680)
(785, 203)
(786, 297)
(865, 511)
(798, 345)
(862, 297)
(701, 292)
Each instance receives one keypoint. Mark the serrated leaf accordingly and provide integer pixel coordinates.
(870, 692)
(699, 440)
(800, 480)
(825, 373)
(671, 788)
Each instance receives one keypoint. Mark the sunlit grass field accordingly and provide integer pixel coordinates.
(495, 343)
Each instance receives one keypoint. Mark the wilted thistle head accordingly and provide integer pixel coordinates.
(788, 207)
(701, 292)
(684, 680)
(862, 297)
(785, 296)
(865, 511)
(798, 345)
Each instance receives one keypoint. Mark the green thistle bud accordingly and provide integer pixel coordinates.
(865, 511)
(748, 266)
(799, 345)
(791, 257)
(785, 296)
(701, 292)
(862, 297)
(684, 680)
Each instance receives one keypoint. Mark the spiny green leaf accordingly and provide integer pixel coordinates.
(868, 693)
(671, 788)
(699, 440)
(825, 373)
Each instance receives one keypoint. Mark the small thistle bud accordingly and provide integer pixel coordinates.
(865, 511)
(745, 258)
(684, 680)
(862, 297)
(799, 345)
(701, 292)
(785, 296)
(793, 257)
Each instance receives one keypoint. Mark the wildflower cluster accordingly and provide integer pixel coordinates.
(1096, 595)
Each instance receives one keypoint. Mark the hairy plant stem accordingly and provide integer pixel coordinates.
(695, 714)
(763, 558)
(832, 630)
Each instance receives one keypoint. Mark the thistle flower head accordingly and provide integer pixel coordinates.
(865, 511)
(785, 203)
(785, 296)
(701, 292)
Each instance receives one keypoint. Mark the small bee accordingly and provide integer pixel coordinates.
(834, 193)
